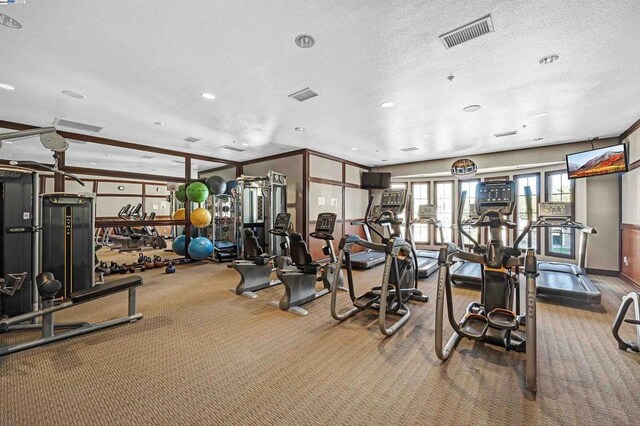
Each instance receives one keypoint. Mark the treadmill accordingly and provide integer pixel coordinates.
(427, 259)
(368, 258)
(463, 273)
(560, 280)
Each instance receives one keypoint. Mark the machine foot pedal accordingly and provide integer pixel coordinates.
(366, 300)
(294, 309)
(503, 319)
(474, 326)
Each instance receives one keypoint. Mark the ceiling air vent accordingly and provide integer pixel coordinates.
(503, 134)
(60, 122)
(192, 139)
(467, 32)
(303, 94)
(413, 148)
(147, 157)
(231, 148)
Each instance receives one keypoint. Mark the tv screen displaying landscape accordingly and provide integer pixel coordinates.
(597, 162)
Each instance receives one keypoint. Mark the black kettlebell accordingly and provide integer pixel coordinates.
(122, 269)
(140, 258)
(170, 269)
(104, 267)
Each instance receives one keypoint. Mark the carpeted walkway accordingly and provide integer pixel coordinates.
(203, 355)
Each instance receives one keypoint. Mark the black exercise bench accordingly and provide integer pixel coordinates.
(47, 288)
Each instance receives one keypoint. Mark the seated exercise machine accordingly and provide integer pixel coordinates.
(131, 239)
(560, 280)
(632, 298)
(399, 280)
(300, 283)
(496, 319)
(256, 267)
(427, 259)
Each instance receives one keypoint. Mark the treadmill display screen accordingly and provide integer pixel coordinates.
(282, 222)
(554, 210)
(326, 223)
(426, 211)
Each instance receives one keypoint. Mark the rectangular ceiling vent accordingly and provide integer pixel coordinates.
(413, 148)
(503, 134)
(467, 32)
(231, 148)
(192, 139)
(147, 157)
(61, 122)
(303, 94)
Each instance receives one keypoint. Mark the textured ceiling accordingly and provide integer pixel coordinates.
(137, 63)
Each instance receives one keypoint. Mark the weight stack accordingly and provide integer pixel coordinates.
(68, 223)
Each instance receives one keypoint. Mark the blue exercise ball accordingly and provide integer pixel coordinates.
(231, 185)
(179, 245)
(200, 248)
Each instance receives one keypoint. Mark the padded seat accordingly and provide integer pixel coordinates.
(300, 255)
(105, 289)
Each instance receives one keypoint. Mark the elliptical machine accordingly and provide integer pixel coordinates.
(493, 319)
(400, 277)
(256, 267)
(300, 283)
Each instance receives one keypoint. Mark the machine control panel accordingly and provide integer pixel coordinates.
(326, 223)
(282, 221)
(555, 209)
(427, 211)
(393, 200)
(496, 196)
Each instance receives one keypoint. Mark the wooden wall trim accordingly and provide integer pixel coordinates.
(604, 272)
(305, 194)
(635, 126)
(109, 223)
(119, 174)
(634, 165)
(274, 157)
(331, 157)
(118, 143)
(629, 281)
(326, 181)
(630, 226)
(216, 169)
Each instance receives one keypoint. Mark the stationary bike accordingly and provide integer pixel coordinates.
(256, 267)
(493, 319)
(300, 283)
(400, 278)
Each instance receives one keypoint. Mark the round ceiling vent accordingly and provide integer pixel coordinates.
(8, 21)
(305, 41)
(471, 108)
(73, 94)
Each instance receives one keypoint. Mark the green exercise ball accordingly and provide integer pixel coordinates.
(181, 193)
(197, 192)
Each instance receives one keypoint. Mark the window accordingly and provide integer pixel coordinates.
(444, 211)
(420, 194)
(469, 186)
(560, 241)
(532, 239)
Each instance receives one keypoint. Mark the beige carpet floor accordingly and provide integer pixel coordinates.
(203, 355)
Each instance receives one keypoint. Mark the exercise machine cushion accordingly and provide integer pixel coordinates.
(105, 289)
(299, 251)
(252, 247)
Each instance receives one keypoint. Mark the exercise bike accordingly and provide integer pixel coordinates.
(300, 283)
(256, 267)
(400, 278)
(493, 319)
(632, 298)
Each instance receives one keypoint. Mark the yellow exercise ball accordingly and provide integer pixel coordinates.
(179, 214)
(200, 218)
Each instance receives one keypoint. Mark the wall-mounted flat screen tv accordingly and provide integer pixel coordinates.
(597, 162)
(375, 180)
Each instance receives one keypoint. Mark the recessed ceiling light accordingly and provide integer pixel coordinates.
(244, 144)
(471, 108)
(385, 160)
(93, 164)
(387, 105)
(208, 96)
(427, 136)
(542, 114)
(300, 129)
(6, 87)
(108, 155)
(549, 59)
(160, 123)
(8, 142)
(73, 94)
(449, 152)
(305, 41)
(537, 139)
(354, 149)
(8, 21)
